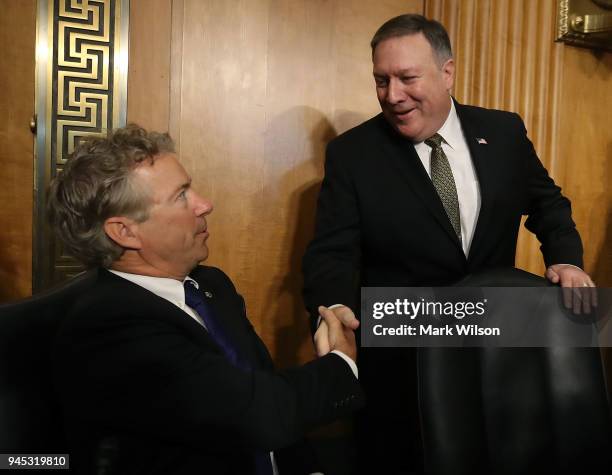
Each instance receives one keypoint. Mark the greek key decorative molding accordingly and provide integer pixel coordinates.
(81, 88)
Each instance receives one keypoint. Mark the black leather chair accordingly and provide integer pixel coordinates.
(30, 419)
(513, 410)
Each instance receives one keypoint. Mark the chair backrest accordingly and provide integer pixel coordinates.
(513, 410)
(30, 418)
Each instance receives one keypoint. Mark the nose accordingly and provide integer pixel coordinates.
(394, 93)
(202, 206)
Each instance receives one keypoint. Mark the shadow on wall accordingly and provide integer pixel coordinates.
(302, 144)
(602, 272)
(603, 61)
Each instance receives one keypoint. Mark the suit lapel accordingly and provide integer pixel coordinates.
(404, 158)
(227, 310)
(483, 164)
(155, 306)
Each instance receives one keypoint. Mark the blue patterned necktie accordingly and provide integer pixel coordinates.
(194, 299)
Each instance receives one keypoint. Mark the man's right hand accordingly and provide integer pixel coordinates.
(336, 332)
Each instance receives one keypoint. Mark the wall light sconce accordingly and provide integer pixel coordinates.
(586, 23)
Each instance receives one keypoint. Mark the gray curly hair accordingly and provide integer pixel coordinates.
(96, 184)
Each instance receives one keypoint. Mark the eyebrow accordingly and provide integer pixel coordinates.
(398, 73)
(407, 70)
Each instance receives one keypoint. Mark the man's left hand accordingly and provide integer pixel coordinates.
(579, 292)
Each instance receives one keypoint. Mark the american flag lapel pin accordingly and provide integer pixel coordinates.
(481, 141)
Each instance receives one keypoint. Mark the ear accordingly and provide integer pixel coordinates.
(124, 231)
(448, 73)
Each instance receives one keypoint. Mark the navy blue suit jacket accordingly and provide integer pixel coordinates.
(145, 389)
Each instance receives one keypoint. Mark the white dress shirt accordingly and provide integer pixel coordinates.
(468, 191)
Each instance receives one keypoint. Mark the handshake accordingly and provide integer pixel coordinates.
(336, 331)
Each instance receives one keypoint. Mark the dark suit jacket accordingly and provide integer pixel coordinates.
(146, 390)
(381, 223)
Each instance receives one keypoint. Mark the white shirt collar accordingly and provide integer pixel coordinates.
(451, 129)
(169, 289)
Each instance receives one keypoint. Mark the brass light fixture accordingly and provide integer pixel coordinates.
(586, 23)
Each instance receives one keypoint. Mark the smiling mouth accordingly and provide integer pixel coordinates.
(403, 114)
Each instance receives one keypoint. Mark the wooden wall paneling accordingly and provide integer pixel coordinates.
(17, 73)
(319, 83)
(585, 150)
(221, 130)
(301, 82)
(149, 63)
(354, 95)
(176, 71)
(506, 59)
(264, 85)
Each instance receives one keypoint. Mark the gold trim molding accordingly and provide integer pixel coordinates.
(81, 91)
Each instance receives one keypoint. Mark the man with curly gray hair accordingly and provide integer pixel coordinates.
(95, 185)
(157, 366)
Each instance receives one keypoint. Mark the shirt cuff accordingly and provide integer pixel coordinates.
(330, 307)
(561, 264)
(349, 361)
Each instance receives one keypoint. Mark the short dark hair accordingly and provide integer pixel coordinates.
(412, 24)
(95, 185)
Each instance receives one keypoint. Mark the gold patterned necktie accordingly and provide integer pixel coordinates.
(443, 181)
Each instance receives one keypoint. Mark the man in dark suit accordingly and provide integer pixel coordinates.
(158, 368)
(422, 195)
